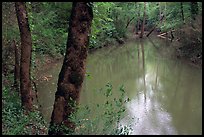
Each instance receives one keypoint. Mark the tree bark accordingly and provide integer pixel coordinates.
(128, 22)
(154, 27)
(143, 22)
(165, 13)
(160, 12)
(172, 36)
(182, 14)
(26, 46)
(138, 20)
(73, 70)
(17, 67)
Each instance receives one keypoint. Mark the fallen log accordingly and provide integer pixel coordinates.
(161, 36)
(166, 32)
(164, 37)
(168, 38)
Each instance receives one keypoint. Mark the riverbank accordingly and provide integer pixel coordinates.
(195, 60)
(106, 66)
(155, 84)
(15, 120)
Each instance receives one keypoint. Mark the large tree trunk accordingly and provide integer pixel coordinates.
(73, 70)
(143, 22)
(26, 46)
(17, 68)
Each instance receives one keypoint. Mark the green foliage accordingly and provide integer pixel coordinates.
(88, 75)
(49, 27)
(187, 31)
(122, 12)
(10, 30)
(191, 42)
(152, 14)
(60, 129)
(109, 22)
(103, 119)
(102, 24)
(14, 119)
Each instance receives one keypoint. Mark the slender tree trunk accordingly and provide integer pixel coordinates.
(165, 13)
(182, 14)
(128, 22)
(26, 46)
(138, 20)
(154, 27)
(172, 36)
(165, 16)
(143, 22)
(160, 11)
(116, 18)
(17, 67)
(73, 70)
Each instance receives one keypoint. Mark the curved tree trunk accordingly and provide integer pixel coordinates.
(73, 70)
(26, 46)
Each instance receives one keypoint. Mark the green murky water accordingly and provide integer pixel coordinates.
(165, 93)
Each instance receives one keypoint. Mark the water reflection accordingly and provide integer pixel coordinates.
(149, 115)
(166, 94)
(143, 70)
(150, 118)
(151, 107)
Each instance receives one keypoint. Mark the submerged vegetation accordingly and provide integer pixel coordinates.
(113, 23)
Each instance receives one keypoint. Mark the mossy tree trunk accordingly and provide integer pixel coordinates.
(26, 47)
(73, 70)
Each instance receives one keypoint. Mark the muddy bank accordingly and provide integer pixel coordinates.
(45, 63)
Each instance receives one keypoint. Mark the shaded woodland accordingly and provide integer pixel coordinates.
(36, 34)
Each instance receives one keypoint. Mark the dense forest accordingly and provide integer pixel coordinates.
(36, 35)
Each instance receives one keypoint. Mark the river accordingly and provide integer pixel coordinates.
(165, 93)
